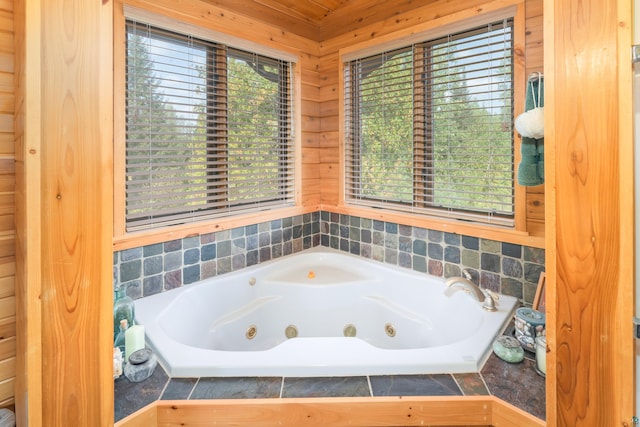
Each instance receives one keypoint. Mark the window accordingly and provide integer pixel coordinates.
(429, 127)
(208, 129)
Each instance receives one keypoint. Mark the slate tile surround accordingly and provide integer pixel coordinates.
(501, 267)
(517, 384)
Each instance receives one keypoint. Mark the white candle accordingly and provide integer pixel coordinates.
(133, 340)
(541, 354)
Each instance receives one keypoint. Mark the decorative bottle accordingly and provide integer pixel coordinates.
(119, 342)
(123, 308)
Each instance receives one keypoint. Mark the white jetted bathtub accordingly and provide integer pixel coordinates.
(320, 312)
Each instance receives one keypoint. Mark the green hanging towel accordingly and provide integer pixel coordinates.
(531, 167)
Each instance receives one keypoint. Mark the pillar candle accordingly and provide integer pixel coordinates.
(133, 340)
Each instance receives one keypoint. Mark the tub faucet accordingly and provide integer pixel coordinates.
(465, 284)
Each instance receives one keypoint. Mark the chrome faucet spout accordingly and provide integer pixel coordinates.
(468, 286)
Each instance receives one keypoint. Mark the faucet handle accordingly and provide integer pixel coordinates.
(490, 301)
(494, 296)
(466, 274)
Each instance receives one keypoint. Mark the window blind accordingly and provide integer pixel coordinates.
(429, 127)
(209, 129)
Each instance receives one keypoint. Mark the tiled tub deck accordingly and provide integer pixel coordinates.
(517, 384)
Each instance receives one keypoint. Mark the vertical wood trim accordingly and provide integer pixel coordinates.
(119, 119)
(28, 101)
(7, 198)
(625, 303)
(300, 191)
(77, 133)
(101, 392)
(590, 378)
(550, 210)
(520, 85)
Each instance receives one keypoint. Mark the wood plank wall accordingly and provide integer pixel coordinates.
(7, 207)
(63, 144)
(590, 213)
(28, 225)
(590, 379)
(329, 104)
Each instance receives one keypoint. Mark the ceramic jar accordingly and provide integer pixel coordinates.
(529, 324)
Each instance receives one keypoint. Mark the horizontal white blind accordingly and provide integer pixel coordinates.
(429, 127)
(209, 130)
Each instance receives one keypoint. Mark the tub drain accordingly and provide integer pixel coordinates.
(291, 331)
(251, 332)
(349, 331)
(390, 330)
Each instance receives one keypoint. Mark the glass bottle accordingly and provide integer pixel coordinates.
(123, 308)
(119, 341)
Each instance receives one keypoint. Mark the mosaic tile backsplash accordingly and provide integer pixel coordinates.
(501, 267)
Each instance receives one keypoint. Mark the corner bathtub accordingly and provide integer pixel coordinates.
(320, 312)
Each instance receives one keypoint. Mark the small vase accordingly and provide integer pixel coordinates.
(119, 341)
(123, 308)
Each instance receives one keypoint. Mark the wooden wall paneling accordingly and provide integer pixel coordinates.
(310, 92)
(329, 111)
(7, 307)
(311, 123)
(329, 91)
(311, 130)
(7, 204)
(7, 348)
(7, 368)
(626, 387)
(6, 391)
(8, 327)
(329, 171)
(329, 151)
(310, 195)
(311, 154)
(310, 108)
(28, 385)
(328, 108)
(535, 206)
(589, 213)
(331, 122)
(534, 62)
(76, 198)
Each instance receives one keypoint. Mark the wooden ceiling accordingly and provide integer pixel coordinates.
(319, 20)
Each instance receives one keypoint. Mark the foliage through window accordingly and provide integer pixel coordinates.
(429, 127)
(208, 129)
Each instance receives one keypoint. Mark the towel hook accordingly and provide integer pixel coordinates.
(535, 76)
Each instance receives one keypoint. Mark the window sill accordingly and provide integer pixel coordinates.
(503, 234)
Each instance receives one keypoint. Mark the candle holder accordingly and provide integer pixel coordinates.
(541, 355)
